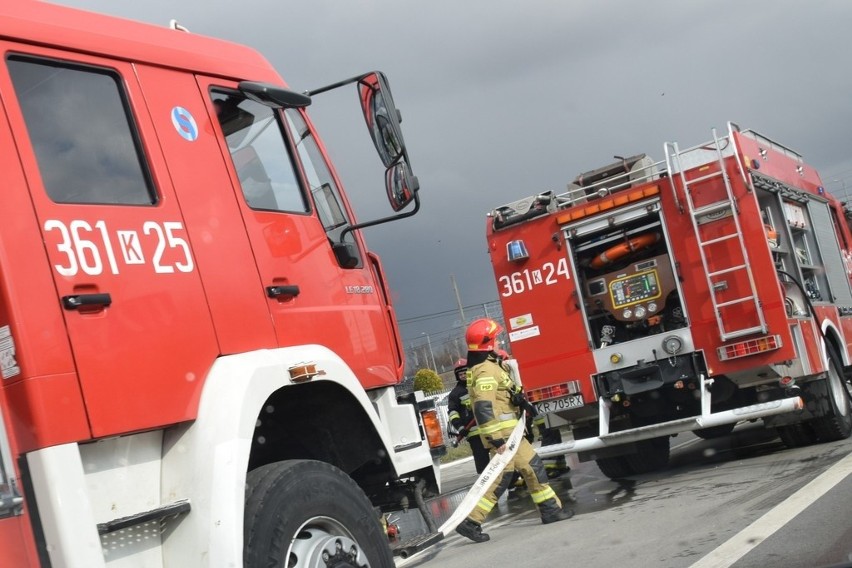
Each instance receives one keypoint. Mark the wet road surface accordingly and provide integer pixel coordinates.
(712, 490)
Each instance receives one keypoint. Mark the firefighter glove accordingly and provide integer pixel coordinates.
(463, 432)
(497, 442)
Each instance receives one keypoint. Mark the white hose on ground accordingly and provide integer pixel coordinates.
(491, 472)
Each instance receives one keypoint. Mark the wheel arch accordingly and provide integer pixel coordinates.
(321, 421)
(834, 339)
(206, 461)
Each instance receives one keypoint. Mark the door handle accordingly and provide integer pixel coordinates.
(80, 300)
(285, 292)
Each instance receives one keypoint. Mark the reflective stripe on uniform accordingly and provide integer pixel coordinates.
(485, 505)
(497, 426)
(453, 416)
(539, 497)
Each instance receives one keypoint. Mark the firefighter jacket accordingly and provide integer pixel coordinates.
(459, 412)
(491, 389)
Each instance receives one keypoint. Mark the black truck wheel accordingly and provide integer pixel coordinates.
(796, 435)
(833, 396)
(651, 455)
(309, 514)
(615, 467)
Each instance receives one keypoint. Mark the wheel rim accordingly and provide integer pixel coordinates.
(838, 389)
(322, 542)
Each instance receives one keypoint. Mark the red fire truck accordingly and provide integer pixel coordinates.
(693, 293)
(199, 352)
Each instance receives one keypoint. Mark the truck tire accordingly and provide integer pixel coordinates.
(615, 467)
(834, 398)
(309, 514)
(796, 435)
(651, 455)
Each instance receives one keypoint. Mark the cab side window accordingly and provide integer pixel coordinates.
(259, 152)
(81, 129)
(323, 189)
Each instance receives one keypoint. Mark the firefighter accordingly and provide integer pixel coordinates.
(460, 417)
(556, 466)
(496, 401)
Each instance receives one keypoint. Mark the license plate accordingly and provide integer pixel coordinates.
(557, 404)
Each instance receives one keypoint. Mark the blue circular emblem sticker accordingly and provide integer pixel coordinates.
(184, 123)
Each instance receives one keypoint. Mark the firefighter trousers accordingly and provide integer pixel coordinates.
(529, 465)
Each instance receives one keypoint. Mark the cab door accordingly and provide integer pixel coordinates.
(198, 165)
(293, 211)
(124, 272)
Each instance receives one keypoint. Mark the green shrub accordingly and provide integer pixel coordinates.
(461, 451)
(428, 381)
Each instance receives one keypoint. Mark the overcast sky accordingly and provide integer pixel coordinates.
(504, 99)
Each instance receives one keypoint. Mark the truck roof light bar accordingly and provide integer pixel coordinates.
(609, 203)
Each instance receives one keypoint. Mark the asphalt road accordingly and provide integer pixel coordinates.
(744, 501)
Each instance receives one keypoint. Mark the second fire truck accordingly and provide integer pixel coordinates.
(693, 293)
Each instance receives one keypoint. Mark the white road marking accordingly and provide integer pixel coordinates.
(753, 535)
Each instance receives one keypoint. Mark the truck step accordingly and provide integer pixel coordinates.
(160, 513)
(413, 545)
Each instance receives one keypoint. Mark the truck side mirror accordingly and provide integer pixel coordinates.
(383, 122)
(382, 117)
(401, 185)
(347, 255)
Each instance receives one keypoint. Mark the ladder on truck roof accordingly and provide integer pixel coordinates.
(728, 326)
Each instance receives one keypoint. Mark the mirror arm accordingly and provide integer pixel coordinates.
(333, 86)
(383, 219)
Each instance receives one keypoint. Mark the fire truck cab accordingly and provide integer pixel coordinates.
(653, 298)
(199, 352)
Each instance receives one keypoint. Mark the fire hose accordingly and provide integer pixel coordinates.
(491, 472)
(488, 476)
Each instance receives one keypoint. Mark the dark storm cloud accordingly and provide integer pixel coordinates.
(503, 99)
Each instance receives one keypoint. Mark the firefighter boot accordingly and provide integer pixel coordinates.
(471, 530)
(552, 512)
(556, 467)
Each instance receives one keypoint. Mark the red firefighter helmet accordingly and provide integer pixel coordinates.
(482, 335)
(460, 370)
